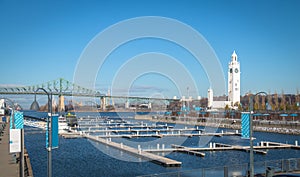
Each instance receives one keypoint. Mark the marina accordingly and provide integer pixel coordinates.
(197, 150)
(168, 145)
(261, 148)
(105, 133)
(150, 88)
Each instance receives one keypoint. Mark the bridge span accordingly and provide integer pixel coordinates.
(61, 88)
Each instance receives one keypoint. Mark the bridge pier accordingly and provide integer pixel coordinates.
(61, 103)
(103, 103)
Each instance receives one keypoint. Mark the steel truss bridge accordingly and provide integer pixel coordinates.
(62, 87)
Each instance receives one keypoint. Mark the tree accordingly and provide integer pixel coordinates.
(276, 106)
(226, 107)
(297, 101)
(282, 103)
(263, 103)
(256, 102)
(269, 100)
(240, 108)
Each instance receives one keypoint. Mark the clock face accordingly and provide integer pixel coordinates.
(236, 70)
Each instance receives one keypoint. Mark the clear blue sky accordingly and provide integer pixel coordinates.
(43, 40)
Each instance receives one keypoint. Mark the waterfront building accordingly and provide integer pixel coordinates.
(234, 84)
(233, 87)
(210, 98)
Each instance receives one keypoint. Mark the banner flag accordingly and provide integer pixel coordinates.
(14, 140)
(19, 120)
(47, 135)
(54, 132)
(11, 121)
(245, 126)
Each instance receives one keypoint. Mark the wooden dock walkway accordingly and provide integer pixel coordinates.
(8, 165)
(186, 150)
(259, 149)
(141, 130)
(138, 152)
(199, 149)
(156, 133)
(241, 148)
(113, 126)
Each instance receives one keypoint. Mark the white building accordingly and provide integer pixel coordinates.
(210, 98)
(234, 84)
(220, 104)
(2, 107)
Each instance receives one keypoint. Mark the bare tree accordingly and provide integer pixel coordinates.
(263, 102)
(269, 99)
(276, 106)
(256, 103)
(283, 102)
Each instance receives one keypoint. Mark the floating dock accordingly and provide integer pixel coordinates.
(159, 133)
(186, 150)
(138, 152)
(260, 148)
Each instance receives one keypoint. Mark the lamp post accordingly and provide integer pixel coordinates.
(49, 131)
(251, 133)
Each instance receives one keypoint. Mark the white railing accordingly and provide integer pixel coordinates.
(36, 124)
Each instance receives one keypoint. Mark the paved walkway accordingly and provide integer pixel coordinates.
(7, 167)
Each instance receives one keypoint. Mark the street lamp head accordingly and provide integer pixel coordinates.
(35, 106)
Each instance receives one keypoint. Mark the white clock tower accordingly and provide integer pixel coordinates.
(234, 84)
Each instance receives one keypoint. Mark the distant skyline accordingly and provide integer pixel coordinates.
(41, 41)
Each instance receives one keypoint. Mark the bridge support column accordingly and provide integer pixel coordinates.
(61, 103)
(103, 103)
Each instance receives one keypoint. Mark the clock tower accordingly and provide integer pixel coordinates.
(234, 84)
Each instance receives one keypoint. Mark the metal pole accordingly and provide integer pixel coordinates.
(48, 151)
(251, 139)
(251, 133)
(251, 148)
(50, 139)
(49, 127)
(22, 154)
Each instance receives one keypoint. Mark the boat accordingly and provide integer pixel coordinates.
(71, 119)
(62, 125)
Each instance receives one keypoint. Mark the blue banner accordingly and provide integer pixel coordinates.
(167, 113)
(54, 132)
(47, 135)
(19, 120)
(11, 120)
(245, 126)
(197, 108)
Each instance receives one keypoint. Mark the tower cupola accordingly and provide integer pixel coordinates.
(234, 56)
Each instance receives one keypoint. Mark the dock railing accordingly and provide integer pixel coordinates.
(260, 168)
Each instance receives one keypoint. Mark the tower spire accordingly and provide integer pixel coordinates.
(234, 56)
